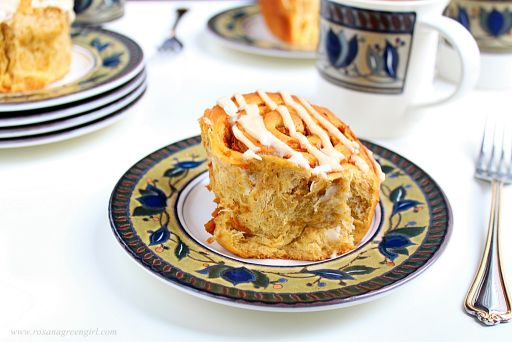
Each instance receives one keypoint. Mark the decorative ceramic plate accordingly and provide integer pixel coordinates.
(31, 117)
(158, 209)
(243, 28)
(73, 121)
(102, 60)
(72, 132)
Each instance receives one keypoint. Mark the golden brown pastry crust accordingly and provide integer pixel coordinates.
(295, 22)
(3, 57)
(36, 48)
(274, 208)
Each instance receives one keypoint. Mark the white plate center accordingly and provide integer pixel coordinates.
(255, 27)
(83, 62)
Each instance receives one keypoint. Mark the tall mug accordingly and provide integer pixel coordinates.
(376, 59)
(96, 12)
(490, 23)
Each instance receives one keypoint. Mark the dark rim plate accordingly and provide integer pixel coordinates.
(117, 59)
(24, 121)
(238, 28)
(74, 131)
(149, 203)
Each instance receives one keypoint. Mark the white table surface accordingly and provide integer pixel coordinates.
(61, 268)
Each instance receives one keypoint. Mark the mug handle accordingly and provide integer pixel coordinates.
(467, 50)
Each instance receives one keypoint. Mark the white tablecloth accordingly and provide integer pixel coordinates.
(61, 268)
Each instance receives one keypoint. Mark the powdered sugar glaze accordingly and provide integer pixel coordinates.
(328, 157)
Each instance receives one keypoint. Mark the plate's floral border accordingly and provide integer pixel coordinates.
(402, 248)
(230, 25)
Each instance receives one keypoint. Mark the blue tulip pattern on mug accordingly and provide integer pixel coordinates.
(496, 23)
(363, 49)
(81, 5)
(381, 60)
(341, 51)
(490, 22)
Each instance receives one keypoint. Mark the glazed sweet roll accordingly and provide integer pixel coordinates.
(295, 22)
(35, 46)
(291, 181)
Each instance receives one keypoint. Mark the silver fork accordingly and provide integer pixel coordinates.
(172, 44)
(488, 298)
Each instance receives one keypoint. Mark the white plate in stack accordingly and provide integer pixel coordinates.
(106, 78)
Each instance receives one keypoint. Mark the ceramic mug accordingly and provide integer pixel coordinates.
(376, 59)
(96, 12)
(490, 23)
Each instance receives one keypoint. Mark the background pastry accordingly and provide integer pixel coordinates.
(36, 45)
(295, 22)
(290, 179)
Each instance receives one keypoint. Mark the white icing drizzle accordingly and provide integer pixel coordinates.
(333, 234)
(360, 163)
(352, 146)
(268, 101)
(253, 124)
(381, 174)
(250, 154)
(314, 128)
(321, 169)
(7, 9)
(207, 121)
(241, 137)
(312, 184)
(64, 5)
(299, 159)
(241, 101)
(229, 106)
(323, 159)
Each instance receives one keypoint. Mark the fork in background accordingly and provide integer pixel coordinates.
(488, 298)
(172, 44)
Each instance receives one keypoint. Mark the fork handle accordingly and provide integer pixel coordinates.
(180, 12)
(488, 298)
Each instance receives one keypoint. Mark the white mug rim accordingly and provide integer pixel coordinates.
(395, 5)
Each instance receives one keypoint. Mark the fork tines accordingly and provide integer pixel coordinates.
(495, 157)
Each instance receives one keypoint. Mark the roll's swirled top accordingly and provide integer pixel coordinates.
(64, 5)
(279, 124)
(9, 7)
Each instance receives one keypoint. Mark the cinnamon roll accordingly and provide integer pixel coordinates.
(35, 43)
(291, 181)
(295, 22)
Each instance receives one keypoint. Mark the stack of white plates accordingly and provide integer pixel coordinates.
(107, 77)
